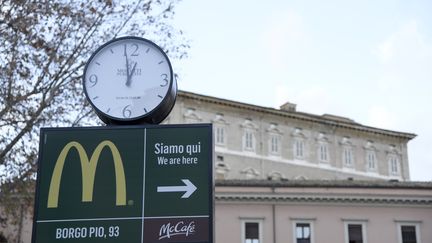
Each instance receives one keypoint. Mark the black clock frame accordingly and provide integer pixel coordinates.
(155, 116)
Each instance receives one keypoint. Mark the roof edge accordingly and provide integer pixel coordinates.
(327, 184)
(296, 115)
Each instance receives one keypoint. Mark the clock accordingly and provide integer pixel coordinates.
(129, 80)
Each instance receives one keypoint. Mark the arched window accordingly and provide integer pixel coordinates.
(371, 157)
(323, 148)
(393, 165)
(348, 156)
(249, 140)
(220, 125)
(299, 148)
(394, 159)
(347, 152)
(371, 160)
(275, 140)
(299, 144)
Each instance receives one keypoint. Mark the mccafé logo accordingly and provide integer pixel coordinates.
(88, 170)
(180, 228)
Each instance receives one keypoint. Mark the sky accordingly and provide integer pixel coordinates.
(368, 60)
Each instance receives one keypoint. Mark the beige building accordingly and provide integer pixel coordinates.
(253, 142)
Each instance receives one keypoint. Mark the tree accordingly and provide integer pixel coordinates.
(44, 47)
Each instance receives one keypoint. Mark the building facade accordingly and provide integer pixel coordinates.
(257, 211)
(253, 142)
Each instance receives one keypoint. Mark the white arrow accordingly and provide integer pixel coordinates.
(188, 188)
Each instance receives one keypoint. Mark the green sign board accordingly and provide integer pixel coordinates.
(142, 184)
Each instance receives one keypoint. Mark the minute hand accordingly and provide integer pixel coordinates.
(127, 66)
(129, 75)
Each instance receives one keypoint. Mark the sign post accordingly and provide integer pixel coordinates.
(142, 184)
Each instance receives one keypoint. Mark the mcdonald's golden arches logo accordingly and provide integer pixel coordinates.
(88, 170)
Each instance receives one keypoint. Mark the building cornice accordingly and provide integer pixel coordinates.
(324, 119)
(368, 184)
(325, 192)
(322, 199)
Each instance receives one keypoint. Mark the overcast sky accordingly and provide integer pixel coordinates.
(368, 60)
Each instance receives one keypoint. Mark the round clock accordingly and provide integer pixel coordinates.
(129, 80)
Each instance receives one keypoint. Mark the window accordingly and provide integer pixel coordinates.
(249, 130)
(355, 231)
(303, 230)
(220, 135)
(274, 144)
(393, 165)
(220, 125)
(323, 152)
(408, 234)
(303, 233)
(355, 234)
(347, 152)
(299, 151)
(274, 141)
(371, 160)
(408, 231)
(299, 148)
(249, 140)
(348, 157)
(323, 147)
(251, 231)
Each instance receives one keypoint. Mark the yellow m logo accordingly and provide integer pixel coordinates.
(88, 170)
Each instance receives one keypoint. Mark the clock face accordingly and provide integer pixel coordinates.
(128, 78)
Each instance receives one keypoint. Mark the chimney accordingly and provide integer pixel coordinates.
(288, 107)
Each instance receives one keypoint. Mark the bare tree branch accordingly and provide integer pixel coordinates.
(44, 47)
